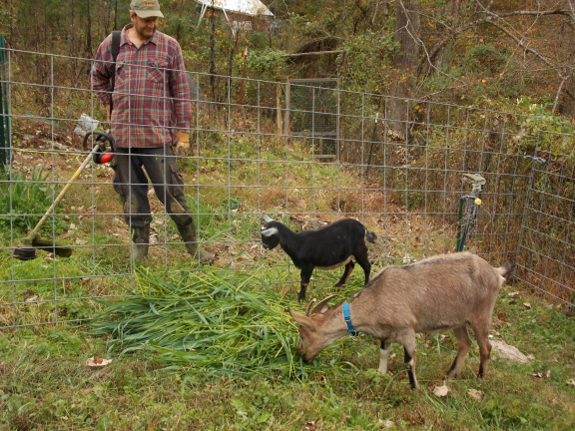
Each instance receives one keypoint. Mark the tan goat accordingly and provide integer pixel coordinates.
(435, 294)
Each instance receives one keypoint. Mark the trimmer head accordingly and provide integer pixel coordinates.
(30, 244)
(24, 253)
(33, 240)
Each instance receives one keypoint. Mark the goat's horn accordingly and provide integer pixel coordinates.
(322, 305)
(309, 306)
(266, 218)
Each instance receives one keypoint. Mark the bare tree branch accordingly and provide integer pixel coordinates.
(537, 13)
(524, 46)
(558, 94)
(499, 21)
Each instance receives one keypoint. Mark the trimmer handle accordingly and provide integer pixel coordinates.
(100, 140)
(100, 154)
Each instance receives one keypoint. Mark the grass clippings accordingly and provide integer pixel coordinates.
(206, 318)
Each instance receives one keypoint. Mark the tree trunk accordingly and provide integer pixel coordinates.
(212, 17)
(89, 30)
(451, 13)
(407, 33)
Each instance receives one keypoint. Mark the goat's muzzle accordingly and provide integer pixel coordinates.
(300, 347)
(301, 350)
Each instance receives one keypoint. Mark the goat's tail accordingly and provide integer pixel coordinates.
(370, 236)
(505, 269)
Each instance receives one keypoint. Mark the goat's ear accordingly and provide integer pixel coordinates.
(269, 232)
(322, 306)
(300, 318)
(267, 219)
(505, 270)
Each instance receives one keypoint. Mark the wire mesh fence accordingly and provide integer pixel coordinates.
(402, 174)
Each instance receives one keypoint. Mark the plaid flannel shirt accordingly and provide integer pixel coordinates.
(151, 95)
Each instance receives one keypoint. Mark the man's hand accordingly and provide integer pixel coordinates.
(183, 143)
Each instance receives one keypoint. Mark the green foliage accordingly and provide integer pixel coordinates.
(266, 61)
(486, 59)
(553, 133)
(365, 65)
(44, 383)
(257, 40)
(4, 19)
(24, 201)
(202, 212)
(204, 318)
(306, 8)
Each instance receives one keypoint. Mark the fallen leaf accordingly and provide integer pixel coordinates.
(527, 305)
(97, 362)
(543, 375)
(32, 299)
(571, 382)
(4, 365)
(441, 391)
(388, 424)
(478, 395)
(513, 294)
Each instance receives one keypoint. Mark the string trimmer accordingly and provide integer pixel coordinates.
(33, 241)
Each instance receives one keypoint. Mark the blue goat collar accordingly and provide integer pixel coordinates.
(347, 318)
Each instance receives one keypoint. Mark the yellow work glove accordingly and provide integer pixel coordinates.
(183, 143)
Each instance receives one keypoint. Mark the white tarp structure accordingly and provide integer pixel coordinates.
(245, 7)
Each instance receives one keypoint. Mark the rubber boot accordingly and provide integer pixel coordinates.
(192, 244)
(141, 238)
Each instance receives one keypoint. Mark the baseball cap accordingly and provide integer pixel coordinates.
(146, 8)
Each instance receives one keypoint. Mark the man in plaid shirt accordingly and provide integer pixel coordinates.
(149, 111)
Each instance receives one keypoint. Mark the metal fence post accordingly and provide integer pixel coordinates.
(527, 206)
(4, 110)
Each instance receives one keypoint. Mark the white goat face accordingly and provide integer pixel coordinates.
(270, 236)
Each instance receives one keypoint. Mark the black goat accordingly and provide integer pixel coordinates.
(330, 247)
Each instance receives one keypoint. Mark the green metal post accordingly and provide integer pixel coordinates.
(460, 237)
(4, 109)
(477, 183)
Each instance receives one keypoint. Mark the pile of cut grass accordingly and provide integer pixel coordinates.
(209, 319)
